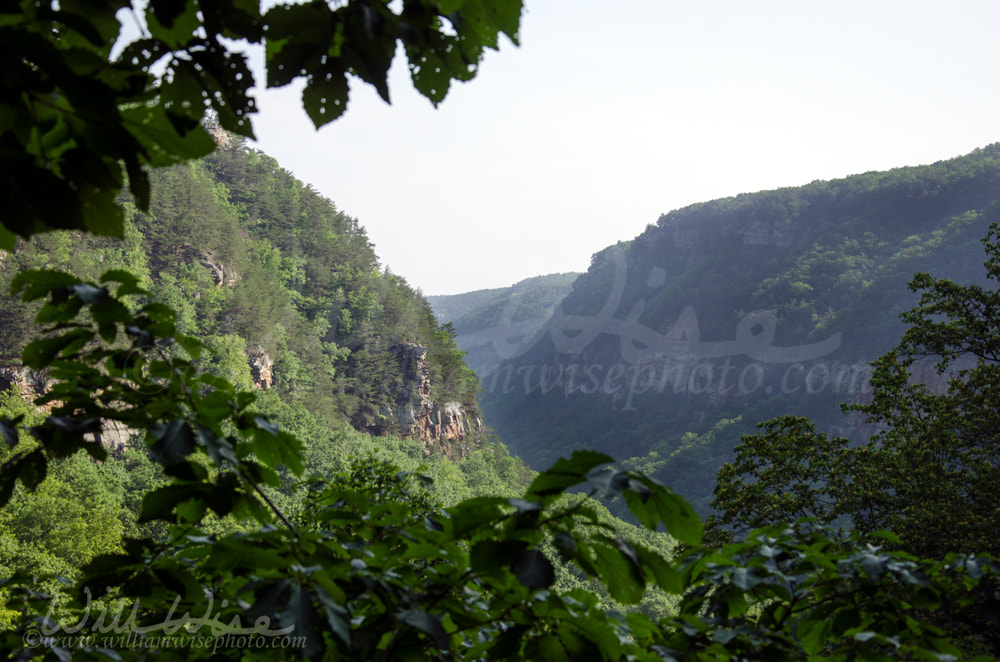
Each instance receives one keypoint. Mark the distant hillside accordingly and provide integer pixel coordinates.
(491, 324)
(733, 311)
(449, 307)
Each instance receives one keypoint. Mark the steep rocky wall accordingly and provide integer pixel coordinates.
(445, 426)
(261, 366)
(29, 383)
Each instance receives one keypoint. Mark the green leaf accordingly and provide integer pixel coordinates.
(533, 569)
(34, 284)
(9, 432)
(128, 282)
(159, 504)
(566, 473)
(653, 503)
(427, 624)
(814, 635)
(174, 442)
(300, 612)
(40, 354)
(488, 556)
(337, 617)
(172, 21)
(619, 573)
(325, 96)
(472, 514)
(6, 239)
(238, 554)
(549, 649)
(663, 572)
(101, 213)
(430, 75)
(165, 144)
(274, 447)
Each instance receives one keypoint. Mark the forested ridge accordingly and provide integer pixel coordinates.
(263, 267)
(528, 299)
(253, 523)
(491, 325)
(827, 262)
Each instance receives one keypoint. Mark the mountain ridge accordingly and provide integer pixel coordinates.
(286, 290)
(784, 271)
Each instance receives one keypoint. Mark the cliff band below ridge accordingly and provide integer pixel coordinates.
(415, 414)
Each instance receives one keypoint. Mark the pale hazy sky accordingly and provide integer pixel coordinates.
(613, 112)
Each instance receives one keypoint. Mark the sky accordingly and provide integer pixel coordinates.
(613, 112)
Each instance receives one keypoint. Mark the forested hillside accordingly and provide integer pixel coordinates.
(495, 324)
(245, 520)
(734, 311)
(285, 288)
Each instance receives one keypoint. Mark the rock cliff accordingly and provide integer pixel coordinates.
(449, 427)
(29, 383)
(261, 366)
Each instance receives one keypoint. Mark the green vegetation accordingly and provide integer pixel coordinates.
(929, 474)
(364, 562)
(250, 524)
(257, 263)
(74, 115)
(819, 260)
(486, 320)
(527, 300)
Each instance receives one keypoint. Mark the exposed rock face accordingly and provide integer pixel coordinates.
(447, 426)
(261, 366)
(30, 383)
(223, 275)
(766, 233)
(221, 137)
(115, 436)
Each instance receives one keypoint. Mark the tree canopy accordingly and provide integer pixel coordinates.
(362, 562)
(86, 107)
(930, 472)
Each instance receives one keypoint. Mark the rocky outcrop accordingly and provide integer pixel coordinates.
(766, 233)
(223, 275)
(447, 427)
(221, 137)
(261, 366)
(117, 437)
(29, 383)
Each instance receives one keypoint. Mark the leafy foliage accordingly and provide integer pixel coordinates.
(510, 315)
(929, 472)
(925, 473)
(72, 113)
(824, 258)
(223, 245)
(371, 567)
(359, 562)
